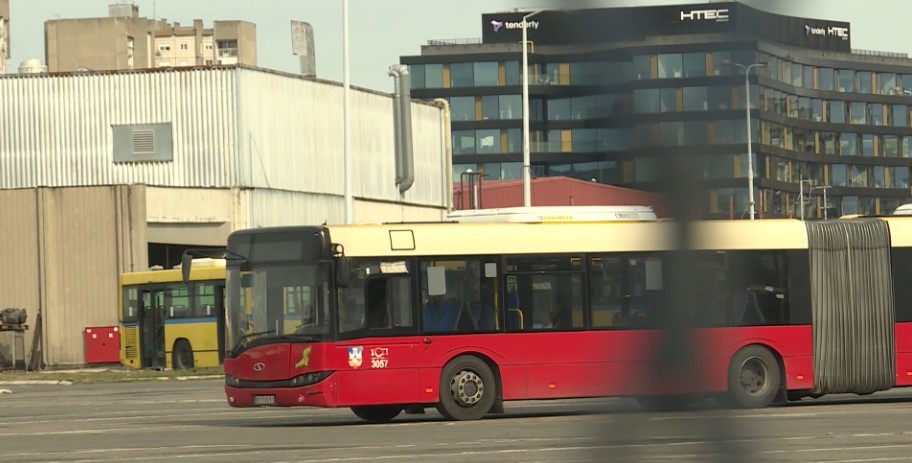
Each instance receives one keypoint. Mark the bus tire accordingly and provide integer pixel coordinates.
(467, 389)
(377, 413)
(182, 355)
(754, 377)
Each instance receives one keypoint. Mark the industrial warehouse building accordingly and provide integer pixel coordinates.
(111, 172)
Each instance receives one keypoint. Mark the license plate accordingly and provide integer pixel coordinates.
(264, 400)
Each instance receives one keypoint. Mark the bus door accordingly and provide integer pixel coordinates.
(220, 320)
(152, 328)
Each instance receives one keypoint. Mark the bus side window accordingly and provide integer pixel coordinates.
(375, 295)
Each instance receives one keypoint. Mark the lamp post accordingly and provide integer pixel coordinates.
(527, 163)
(747, 111)
(826, 206)
(346, 130)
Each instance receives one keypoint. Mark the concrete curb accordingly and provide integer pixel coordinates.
(147, 379)
(35, 383)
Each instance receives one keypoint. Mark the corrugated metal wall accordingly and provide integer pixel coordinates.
(231, 127)
(291, 139)
(63, 250)
(57, 129)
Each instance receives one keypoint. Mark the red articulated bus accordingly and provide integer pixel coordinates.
(560, 303)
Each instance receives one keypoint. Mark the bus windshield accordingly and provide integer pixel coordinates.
(277, 300)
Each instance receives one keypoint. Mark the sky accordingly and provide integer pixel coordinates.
(380, 31)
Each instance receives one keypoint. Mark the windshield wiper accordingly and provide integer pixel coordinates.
(241, 343)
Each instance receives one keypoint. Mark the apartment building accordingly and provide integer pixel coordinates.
(124, 40)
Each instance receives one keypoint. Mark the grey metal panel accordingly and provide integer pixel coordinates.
(57, 129)
(19, 283)
(63, 250)
(142, 143)
(291, 139)
(852, 306)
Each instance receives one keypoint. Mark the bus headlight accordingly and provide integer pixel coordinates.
(309, 378)
(232, 381)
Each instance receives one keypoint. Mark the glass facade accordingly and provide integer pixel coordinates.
(841, 126)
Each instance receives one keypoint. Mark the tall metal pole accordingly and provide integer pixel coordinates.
(527, 166)
(750, 155)
(801, 196)
(346, 131)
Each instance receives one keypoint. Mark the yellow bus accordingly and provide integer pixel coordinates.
(166, 324)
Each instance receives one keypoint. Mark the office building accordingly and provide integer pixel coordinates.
(615, 90)
(124, 40)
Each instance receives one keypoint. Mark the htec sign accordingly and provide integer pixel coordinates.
(720, 15)
(831, 31)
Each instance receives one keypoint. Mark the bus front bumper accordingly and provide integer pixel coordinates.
(322, 394)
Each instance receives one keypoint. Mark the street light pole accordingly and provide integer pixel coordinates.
(750, 155)
(527, 163)
(346, 130)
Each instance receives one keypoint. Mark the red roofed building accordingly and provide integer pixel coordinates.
(553, 191)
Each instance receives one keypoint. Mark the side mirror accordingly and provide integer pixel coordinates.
(186, 262)
(343, 271)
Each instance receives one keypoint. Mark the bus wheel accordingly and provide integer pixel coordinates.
(753, 377)
(377, 413)
(467, 389)
(182, 355)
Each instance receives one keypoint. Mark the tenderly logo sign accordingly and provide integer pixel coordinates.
(832, 31)
(498, 25)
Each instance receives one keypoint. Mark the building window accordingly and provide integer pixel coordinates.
(846, 80)
(646, 100)
(485, 74)
(462, 108)
(559, 109)
(836, 112)
(642, 69)
(848, 144)
(808, 77)
(890, 146)
(510, 106)
(864, 82)
(838, 175)
(695, 99)
(828, 139)
(867, 145)
(886, 82)
(900, 115)
(825, 79)
(858, 112)
(433, 76)
(875, 112)
(487, 141)
(719, 98)
(417, 75)
(878, 177)
(183, 46)
(719, 66)
(490, 107)
(694, 64)
(511, 71)
(670, 65)
(463, 142)
(462, 75)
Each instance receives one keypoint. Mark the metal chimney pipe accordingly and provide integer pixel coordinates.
(405, 157)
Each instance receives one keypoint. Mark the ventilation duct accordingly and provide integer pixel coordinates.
(402, 115)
